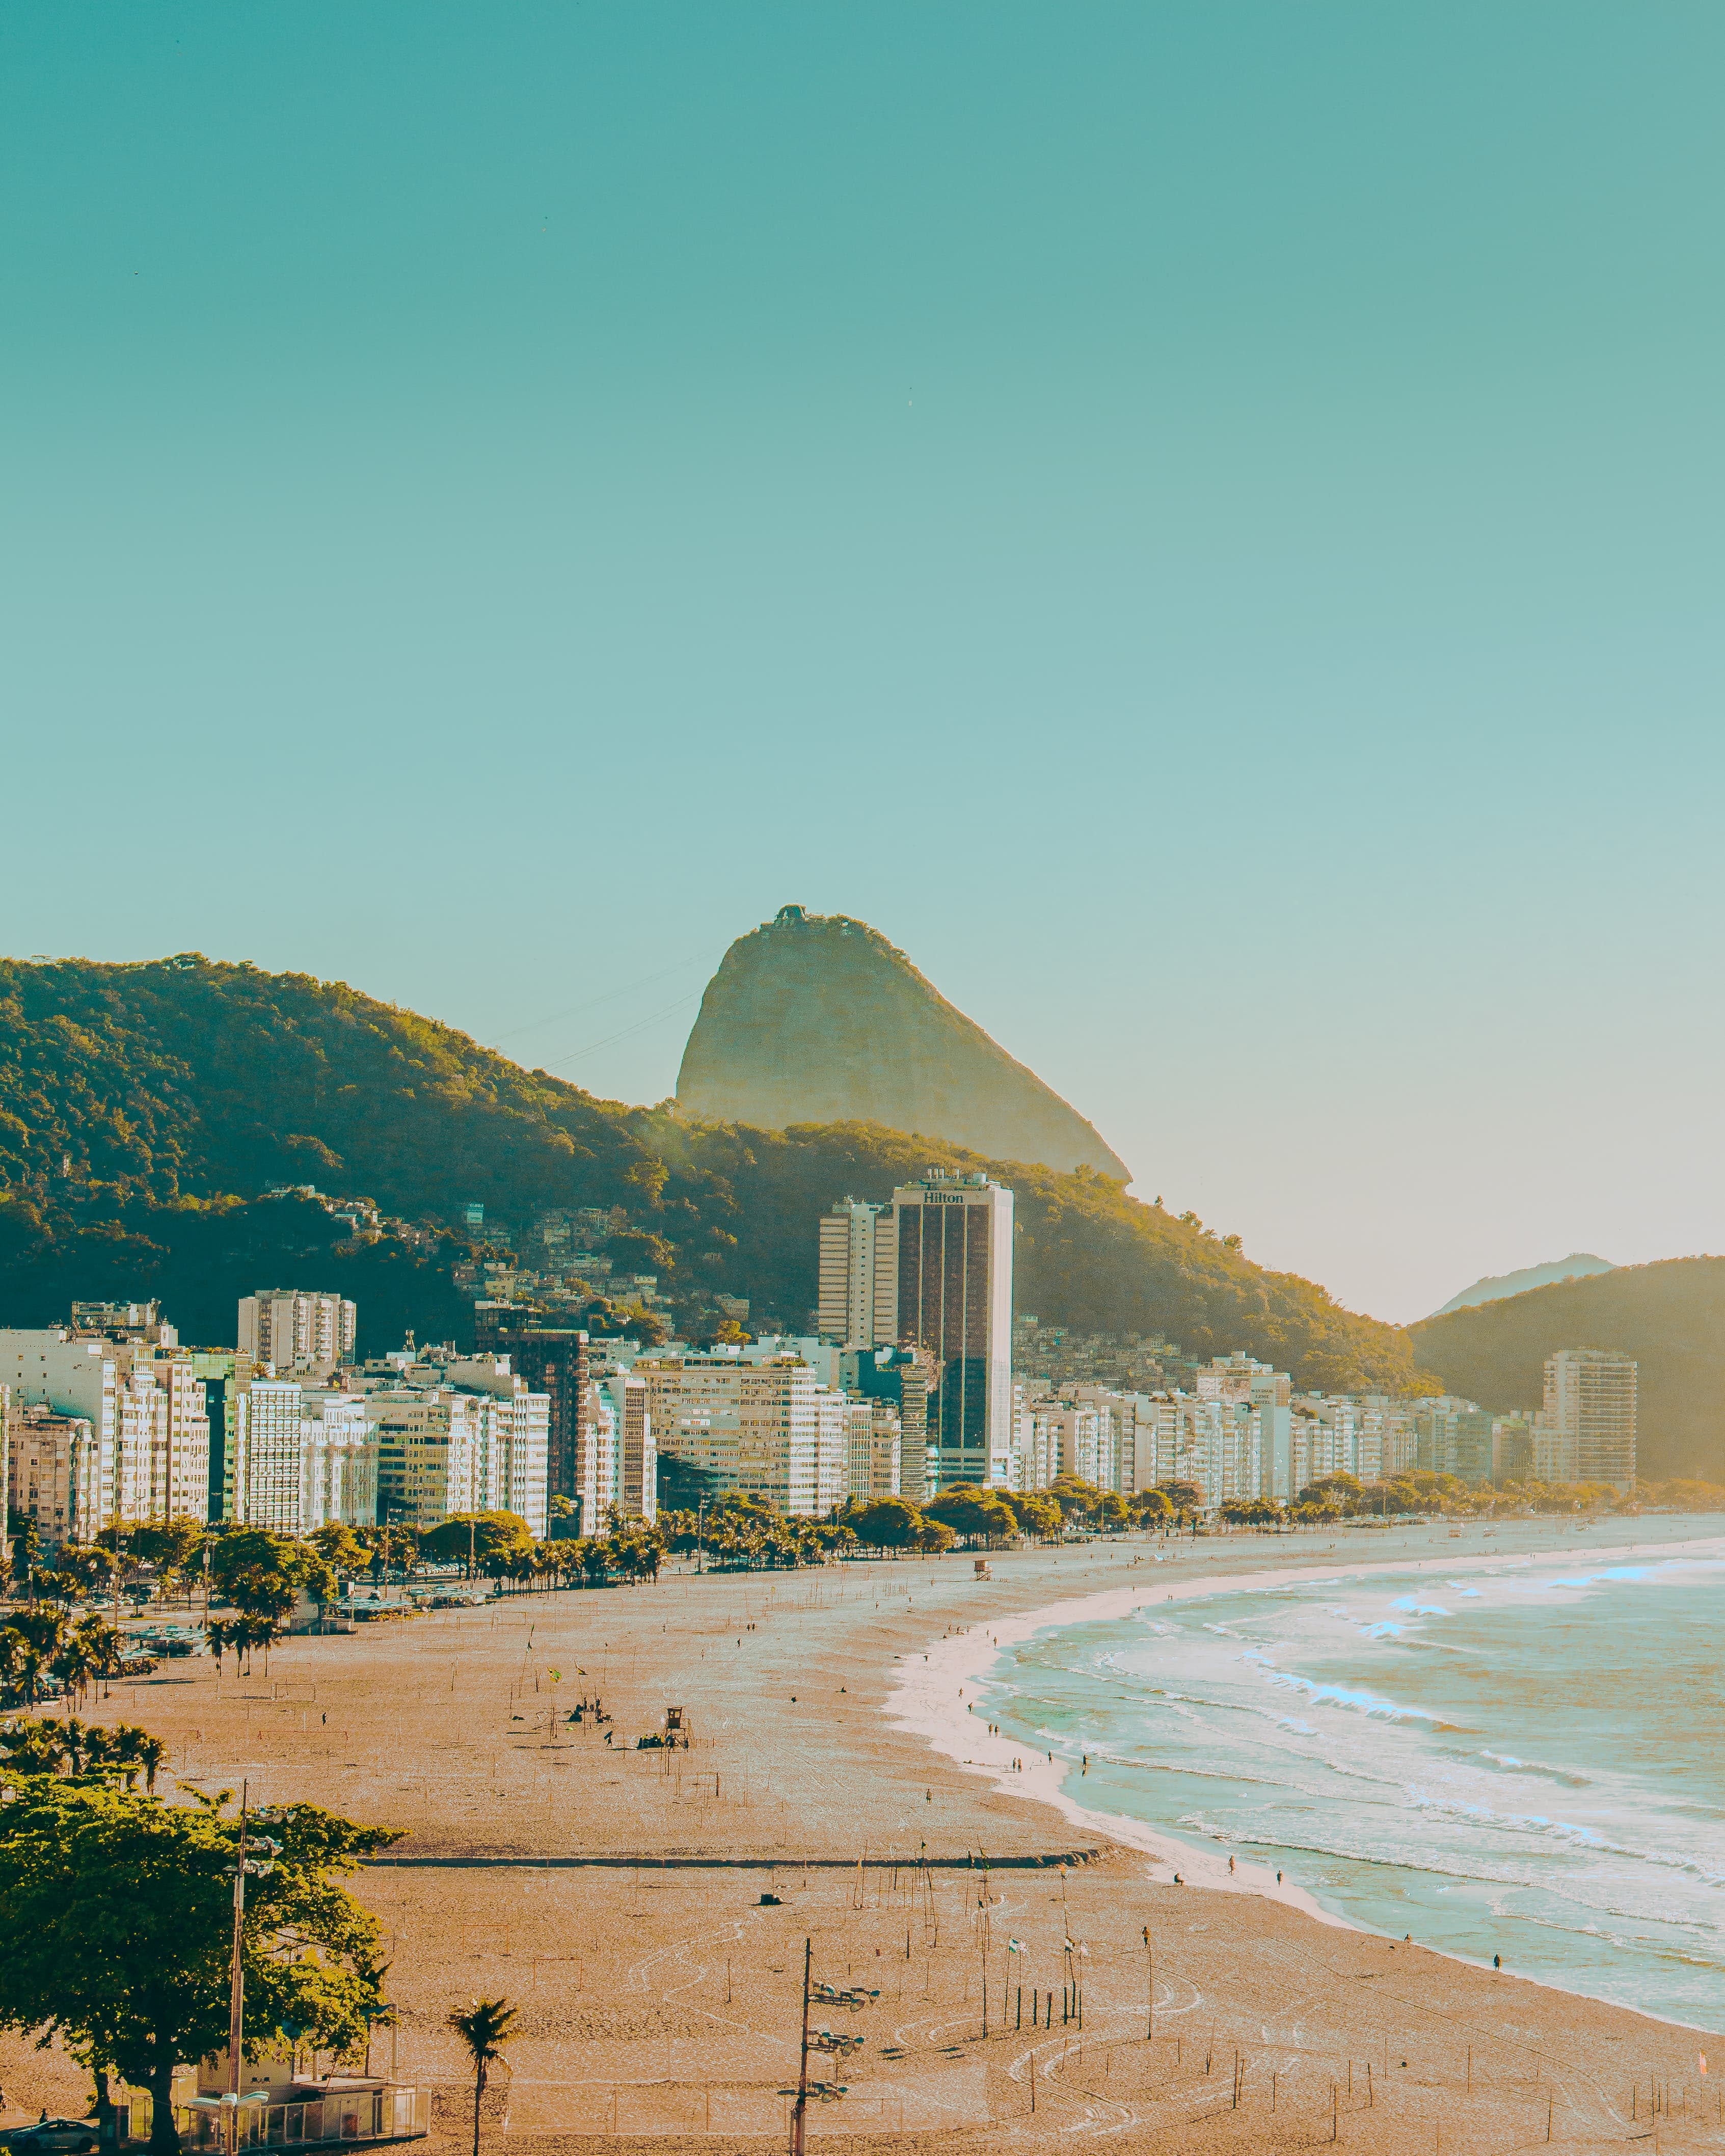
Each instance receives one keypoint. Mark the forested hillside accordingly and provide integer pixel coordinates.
(144, 1110)
(1670, 1316)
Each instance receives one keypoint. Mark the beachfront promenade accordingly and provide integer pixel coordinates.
(663, 1998)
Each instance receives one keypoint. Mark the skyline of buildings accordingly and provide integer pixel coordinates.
(919, 1377)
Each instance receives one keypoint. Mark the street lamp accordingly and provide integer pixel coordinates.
(837, 2044)
(700, 1534)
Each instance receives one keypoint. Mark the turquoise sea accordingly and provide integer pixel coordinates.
(1520, 1761)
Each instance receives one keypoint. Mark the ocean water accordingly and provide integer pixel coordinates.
(1526, 1761)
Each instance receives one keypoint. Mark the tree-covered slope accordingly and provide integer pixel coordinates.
(1670, 1316)
(144, 1109)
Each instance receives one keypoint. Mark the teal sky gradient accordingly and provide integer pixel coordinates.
(1204, 525)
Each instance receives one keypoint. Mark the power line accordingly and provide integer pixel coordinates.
(592, 1003)
(640, 1026)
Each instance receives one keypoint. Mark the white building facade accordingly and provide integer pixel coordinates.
(297, 1330)
(858, 1275)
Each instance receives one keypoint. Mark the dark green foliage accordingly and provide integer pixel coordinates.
(1670, 1316)
(144, 1109)
(975, 1515)
(116, 1911)
(484, 1535)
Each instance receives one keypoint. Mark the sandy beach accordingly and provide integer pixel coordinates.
(616, 1895)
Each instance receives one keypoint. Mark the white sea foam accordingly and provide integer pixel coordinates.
(1413, 1786)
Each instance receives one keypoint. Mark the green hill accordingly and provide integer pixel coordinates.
(1670, 1316)
(144, 1109)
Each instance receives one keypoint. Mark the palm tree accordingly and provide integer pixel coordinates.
(482, 2031)
(103, 1646)
(150, 1754)
(260, 1631)
(75, 1665)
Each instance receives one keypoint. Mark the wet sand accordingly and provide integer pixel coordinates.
(662, 2000)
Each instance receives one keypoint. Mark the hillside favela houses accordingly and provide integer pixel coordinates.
(917, 1377)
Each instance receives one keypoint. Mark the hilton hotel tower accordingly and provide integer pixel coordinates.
(934, 1272)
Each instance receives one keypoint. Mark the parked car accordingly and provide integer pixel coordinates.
(54, 2137)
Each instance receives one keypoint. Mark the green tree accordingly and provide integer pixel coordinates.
(172, 1545)
(489, 1535)
(259, 1593)
(1036, 1511)
(886, 1524)
(117, 1913)
(1077, 1499)
(95, 1568)
(482, 2030)
(340, 1548)
(976, 1515)
(1250, 1513)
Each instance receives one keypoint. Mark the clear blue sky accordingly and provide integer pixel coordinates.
(1203, 524)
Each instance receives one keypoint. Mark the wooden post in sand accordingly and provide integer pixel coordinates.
(799, 2115)
(1150, 2013)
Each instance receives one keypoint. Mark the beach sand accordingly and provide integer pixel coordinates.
(828, 1757)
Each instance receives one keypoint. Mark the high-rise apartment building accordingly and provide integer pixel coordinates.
(859, 1275)
(458, 1433)
(51, 1474)
(51, 1367)
(766, 1428)
(555, 1360)
(165, 1442)
(1239, 1381)
(621, 1466)
(1590, 1401)
(300, 1332)
(428, 1446)
(901, 1378)
(953, 1236)
(873, 1449)
(1437, 1422)
(1059, 1437)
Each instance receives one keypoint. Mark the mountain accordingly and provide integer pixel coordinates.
(145, 1109)
(1670, 1316)
(1496, 1285)
(817, 1018)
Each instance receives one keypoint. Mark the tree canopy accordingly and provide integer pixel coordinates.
(117, 1913)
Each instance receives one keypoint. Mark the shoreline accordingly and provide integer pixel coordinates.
(934, 1702)
(663, 1997)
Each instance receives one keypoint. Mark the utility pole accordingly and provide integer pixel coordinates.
(799, 2116)
(259, 1867)
(986, 1940)
(1150, 1952)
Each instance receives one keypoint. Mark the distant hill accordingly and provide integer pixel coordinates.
(144, 1108)
(818, 1018)
(1496, 1285)
(1670, 1316)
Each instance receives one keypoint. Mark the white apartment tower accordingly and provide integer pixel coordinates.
(621, 1465)
(952, 1246)
(1590, 1402)
(859, 1275)
(297, 1330)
